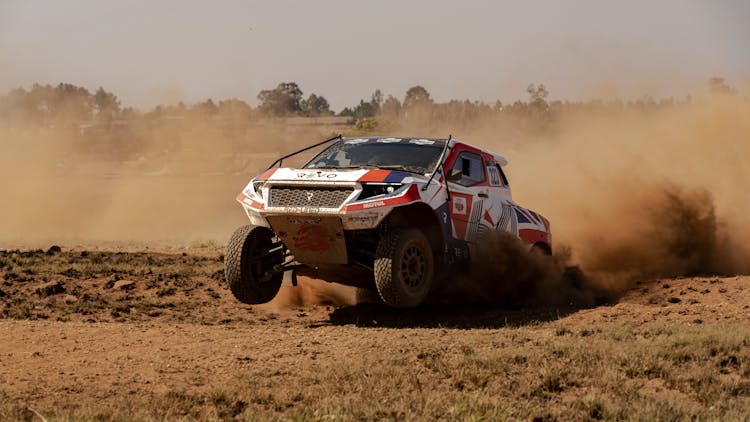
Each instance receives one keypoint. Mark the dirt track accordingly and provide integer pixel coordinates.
(107, 335)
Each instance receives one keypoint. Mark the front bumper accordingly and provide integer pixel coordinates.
(315, 234)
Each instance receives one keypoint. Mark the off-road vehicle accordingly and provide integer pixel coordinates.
(391, 215)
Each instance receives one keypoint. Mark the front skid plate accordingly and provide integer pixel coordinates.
(313, 239)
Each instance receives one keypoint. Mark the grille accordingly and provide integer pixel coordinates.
(318, 197)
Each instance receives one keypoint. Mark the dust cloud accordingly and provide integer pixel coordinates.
(632, 192)
(145, 182)
(504, 273)
(310, 292)
(635, 195)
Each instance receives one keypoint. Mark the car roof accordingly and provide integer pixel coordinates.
(498, 158)
(394, 139)
(420, 141)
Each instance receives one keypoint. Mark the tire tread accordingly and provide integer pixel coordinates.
(242, 286)
(390, 289)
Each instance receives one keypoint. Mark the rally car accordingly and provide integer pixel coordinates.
(390, 214)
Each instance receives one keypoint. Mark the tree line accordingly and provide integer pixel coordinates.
(45, 104)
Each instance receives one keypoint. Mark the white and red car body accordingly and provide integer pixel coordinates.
(318, 234)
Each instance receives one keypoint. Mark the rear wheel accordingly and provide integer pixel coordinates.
(404, 268)
(540, 249)
(250, 265)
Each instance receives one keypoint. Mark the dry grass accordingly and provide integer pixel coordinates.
(545, 372)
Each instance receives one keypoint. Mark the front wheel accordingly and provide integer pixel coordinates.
(404, 268)
(250, 264)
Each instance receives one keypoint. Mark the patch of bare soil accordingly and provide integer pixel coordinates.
(152, 335)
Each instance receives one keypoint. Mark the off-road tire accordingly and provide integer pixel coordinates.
(404, 268)
(243, 279)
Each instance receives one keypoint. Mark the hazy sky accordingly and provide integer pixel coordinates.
(148, 52)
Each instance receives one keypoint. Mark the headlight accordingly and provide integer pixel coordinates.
(257, 187)
(376, 189)
(254, 188)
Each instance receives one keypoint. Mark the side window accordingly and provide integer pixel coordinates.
(492, 170)
(471, 167)
(502, 175)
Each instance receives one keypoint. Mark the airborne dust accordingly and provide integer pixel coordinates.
(633, 193)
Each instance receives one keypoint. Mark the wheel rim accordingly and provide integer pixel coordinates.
(259, 262)
(413, 266)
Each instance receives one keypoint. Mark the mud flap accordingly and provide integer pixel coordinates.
(312, 239)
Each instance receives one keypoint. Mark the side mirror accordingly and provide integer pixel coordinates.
(455, 175)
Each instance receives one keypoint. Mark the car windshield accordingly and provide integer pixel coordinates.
(408, 154)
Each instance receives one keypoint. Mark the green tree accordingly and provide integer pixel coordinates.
(105, 104)
(365, 109)
(391, 107)
(206, 108)
(367, 125)
(64, 102)
(377, 99)
(284, 100)
(72, 102)
(234, 107)
(538, 96)
(315, 106)
(416, 96)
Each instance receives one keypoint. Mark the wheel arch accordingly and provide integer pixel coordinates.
(422, 216)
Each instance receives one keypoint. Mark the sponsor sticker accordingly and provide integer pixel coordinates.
(421, 142)
(303, 221)
(373, 204)
(316, 175)
(365, 220)
(304, 210)
(312, 238)
(459, 205)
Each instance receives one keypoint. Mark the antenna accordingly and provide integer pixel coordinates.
(279, 161)
(439, 166)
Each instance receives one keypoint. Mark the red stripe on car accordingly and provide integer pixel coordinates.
(411, 195)
(374, 176)
(532, 236)
(267, 174)
(488, 218)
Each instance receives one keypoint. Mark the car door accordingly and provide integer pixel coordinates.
(468, 194)
(500, 214)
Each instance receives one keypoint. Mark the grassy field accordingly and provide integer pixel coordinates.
(102, 335)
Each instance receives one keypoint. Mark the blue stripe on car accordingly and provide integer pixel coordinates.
(521, 217)
(396, 177)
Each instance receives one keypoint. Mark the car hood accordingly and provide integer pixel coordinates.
(340, 175)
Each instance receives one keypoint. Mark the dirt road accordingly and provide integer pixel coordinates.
(111, 335)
